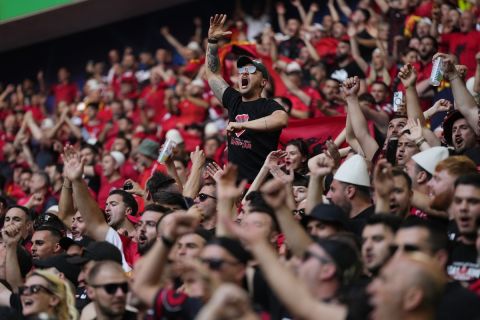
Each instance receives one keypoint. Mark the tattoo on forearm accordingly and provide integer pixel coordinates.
(212, 56)
(218, 87)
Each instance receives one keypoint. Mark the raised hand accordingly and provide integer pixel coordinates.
(136, 188)
(321, 165)
(235, 126)
(408, 75)
(274, 158)
(350, 87)
(296, 3)
(35, 200)
(214, 171)
(274, 193)
(383, 178)
(179, 223)
(197, 22)
(333, 152)
(279, 174)
(197, 157)
(164, 31)
(215, 31)
(441, 105)
(280, 7)
(11, 235)
(413, 130)
(227, 184)
(449, 62)
(73, 164)
(314, 7)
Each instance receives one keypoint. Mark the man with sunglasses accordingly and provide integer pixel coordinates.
(255, 122)
(108, 288)
(429, 237)
(206, 200)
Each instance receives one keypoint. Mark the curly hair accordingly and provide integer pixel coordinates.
(65, 310)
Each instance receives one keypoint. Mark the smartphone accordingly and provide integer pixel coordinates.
(391, 153)
(397, 100)
(128, 186)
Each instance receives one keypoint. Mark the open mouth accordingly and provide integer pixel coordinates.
(27, 302)
(244, 83)
(393, 206)
(142, 238)
(458, 140)
(108, 217)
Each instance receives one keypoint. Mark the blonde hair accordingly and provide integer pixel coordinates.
(65, 310)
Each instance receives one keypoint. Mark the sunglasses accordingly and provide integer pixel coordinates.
(250, 69)
(216, 264)
(33, 289)
(111, 288)
(202, 197)
(299, 212)
(406, 248)
(308, 254)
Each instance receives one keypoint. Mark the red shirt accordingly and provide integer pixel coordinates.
(64, 92)
(326, 47)
(190, 113)
(465, 46)
(154, 98)
(128, 171)
(130, 250)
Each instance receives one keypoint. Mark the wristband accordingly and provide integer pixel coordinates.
(212, 40)
(420, 141)
(167, 242)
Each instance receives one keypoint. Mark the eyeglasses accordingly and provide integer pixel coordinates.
(111, 288)
(203, 196)
(406, 248)
(216, 264)
(308, 254)
(250, 69)
(33, 289)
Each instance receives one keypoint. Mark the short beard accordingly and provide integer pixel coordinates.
(442, 201)
(143, 249)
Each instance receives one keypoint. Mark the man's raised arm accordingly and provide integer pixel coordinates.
(97, 227)
(212, 61)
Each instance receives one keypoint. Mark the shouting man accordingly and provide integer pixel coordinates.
(255, 123)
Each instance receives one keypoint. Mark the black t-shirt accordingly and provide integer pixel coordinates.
(462, 264)
(350, 70)
(365, 52)
(248, 149)
(358, 222)
(458, 303)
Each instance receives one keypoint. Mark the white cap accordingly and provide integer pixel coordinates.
(198, 82)
(211, 129)
(318, 26)
(174, 135)
(52, 209)
(118, 157)
(93, 85)
(355, 171)
(429, 158)
(194, 46)
(293, 67)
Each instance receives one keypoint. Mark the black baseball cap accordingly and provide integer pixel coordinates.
(448, 122)
(232, 246)
(244, 60)
(66, 242)
(97, 251)
(328, 213)
(60, 263)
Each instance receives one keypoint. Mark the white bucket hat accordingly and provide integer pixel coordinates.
(354, 171)
(429, 158)
(118, 157)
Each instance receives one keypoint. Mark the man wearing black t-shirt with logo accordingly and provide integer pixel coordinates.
(255, 122)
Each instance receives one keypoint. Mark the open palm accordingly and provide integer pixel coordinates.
(215, 31)
(73, 164)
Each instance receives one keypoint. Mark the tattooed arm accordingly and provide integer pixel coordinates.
(215, 80)
(213, 67)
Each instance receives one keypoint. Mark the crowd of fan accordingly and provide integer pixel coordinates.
(383, 223)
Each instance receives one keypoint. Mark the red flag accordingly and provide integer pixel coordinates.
(314, 131)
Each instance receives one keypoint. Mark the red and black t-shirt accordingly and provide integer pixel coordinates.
(248, 149)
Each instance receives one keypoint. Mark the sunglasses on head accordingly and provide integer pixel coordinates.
(203, 196)
(250, 69)
(216, 264)
(406, 248)
(111, 288)
(299, 212)
(33, 289)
